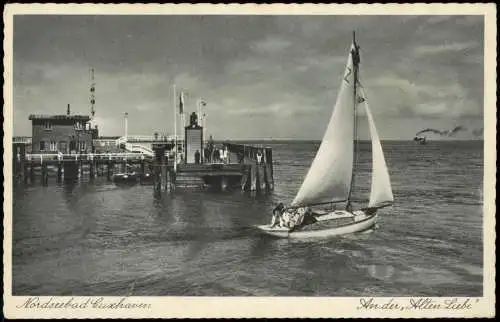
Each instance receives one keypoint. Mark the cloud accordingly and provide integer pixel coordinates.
(279, 109)
(431, 99)
(442, 48)
(258, 74)
(271, 45)
(438, 19)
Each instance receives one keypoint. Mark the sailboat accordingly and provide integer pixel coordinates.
(330, 179)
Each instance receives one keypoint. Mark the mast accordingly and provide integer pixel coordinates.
(355, 65)
(330, 176)
(175, 129)
(92, 91)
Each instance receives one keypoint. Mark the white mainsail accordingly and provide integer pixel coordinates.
(329, 177)
(381, 191)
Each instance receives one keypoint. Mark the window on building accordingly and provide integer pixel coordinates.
(48, 125)
(53, 146)
(63, 145)
(42, 145)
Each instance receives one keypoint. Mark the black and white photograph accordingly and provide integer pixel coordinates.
(290, 155)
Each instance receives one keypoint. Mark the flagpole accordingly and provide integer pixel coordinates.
(183, 122)
(175, 131)
(198, 113)
(203, 122)
(198, 109)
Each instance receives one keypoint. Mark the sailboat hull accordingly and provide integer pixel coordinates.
(361, 222)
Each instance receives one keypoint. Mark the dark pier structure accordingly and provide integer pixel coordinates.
(232, 166)
(33, 168)
(67, 156)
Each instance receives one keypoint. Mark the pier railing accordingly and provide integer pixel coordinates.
(147, 139)
(136, 148)
(85, 157)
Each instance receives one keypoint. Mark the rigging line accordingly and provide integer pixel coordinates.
(356, 125)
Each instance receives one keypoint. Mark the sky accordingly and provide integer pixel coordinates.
(262, 76)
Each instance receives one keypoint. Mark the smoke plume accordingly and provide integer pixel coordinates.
(451, 132)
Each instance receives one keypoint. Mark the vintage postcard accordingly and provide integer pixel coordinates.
(259, 161)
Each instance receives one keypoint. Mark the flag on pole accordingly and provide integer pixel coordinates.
(181, 103)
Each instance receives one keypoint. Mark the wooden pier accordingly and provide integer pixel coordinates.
(74, 167)
(242, 170)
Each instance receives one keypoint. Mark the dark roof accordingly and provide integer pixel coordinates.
(59, 117)
(108, 137)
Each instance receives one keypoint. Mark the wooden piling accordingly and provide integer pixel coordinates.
(244, 177)
(45, 176)
(168, 179)
(269, 177)
(157, 177)
(59, 171)
(164, 179)
(70, 170)
(173, 176)
(16, 162)
(32, 172)
(25, 173)
(92, 169)
(142, 167)
(22, 164)
(223, 183)
(269, 167)
(96, 167)
(109, 170)
(261, 177)
(253, 177)
(79, 167)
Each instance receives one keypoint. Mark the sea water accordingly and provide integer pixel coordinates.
(100, 239)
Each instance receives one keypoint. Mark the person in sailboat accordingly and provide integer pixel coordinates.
(277, 213)
(287, 219)
(298, 215)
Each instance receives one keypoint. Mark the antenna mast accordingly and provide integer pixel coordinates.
(92, 91)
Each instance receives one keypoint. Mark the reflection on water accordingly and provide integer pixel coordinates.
(99, 239)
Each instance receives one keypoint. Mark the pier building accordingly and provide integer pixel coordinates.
(62, 133)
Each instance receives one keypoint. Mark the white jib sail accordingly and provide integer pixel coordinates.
(329, 177)
(381, 191)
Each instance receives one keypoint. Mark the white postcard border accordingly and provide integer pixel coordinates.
(256, 307)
